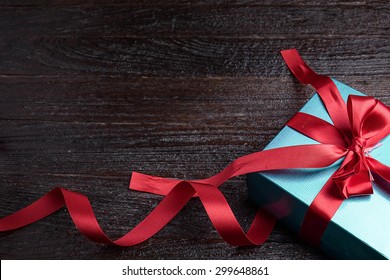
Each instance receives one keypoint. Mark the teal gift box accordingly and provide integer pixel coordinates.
(360, 229)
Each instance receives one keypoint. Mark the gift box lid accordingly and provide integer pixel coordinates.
(360, 227)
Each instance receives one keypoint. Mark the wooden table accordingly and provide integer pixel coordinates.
(90, 91)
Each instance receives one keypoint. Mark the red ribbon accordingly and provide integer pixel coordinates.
(357, 127)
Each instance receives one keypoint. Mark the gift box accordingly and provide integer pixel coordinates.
(359, 229)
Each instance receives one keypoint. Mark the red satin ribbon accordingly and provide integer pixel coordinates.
(368, 122)
(357, 128)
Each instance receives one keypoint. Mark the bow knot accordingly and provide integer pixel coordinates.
(358, 146)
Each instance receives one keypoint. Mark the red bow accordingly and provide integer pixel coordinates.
(369, 123)
(356, 129)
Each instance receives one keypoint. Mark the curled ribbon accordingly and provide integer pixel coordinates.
(357, 128)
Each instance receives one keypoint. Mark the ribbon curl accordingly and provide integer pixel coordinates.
(357, 128)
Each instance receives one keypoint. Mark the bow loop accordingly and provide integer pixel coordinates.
(369, 118)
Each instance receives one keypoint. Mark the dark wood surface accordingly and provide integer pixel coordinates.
(91, 90)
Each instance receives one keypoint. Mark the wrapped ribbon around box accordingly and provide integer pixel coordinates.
(338, 144)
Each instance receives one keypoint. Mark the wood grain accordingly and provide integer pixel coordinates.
(206, 20)
(91, 90)
(195, 57)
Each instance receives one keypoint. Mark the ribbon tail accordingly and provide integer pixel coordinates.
(317, 129)
(81, 212)
(317, 217)
(43, 207)
(324, 86)
(84, 218)
(301, 156)
(381, 170)
(152, 184)
(225, 222)
(214, 202)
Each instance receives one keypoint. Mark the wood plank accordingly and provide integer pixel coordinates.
(181, 118)
(188, 57)
(137, 3)
(199, 20)
(143, 100)
(158, 126)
